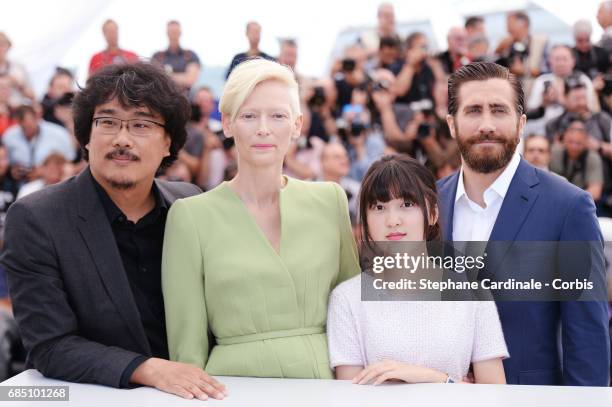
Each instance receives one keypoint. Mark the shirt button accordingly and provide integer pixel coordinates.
(143, 269)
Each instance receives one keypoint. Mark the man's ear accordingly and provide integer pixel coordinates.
(450, 120)
(522, 121)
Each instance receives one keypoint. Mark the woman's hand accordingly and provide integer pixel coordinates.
(389, 370)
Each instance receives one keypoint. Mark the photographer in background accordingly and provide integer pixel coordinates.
(591, 60)
(61, 82)
(576, 104)
(362, 138)
(594, 61)
(478, 49)
(524, 54)
(348, 73)
(388, 56)
(202, 152)
(548, 92)
(599, 130)
(456, 55)
(419, 74)
(425, 136)
(364, 145)
(572, 159)
(303, 158)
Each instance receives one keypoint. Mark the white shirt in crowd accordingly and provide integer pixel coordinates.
(536, 97)
(31, 187)
(442, 335)
(471, 222)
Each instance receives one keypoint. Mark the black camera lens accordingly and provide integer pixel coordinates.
(348, 65)
(318, 97)
(423, 130)
(357, 129)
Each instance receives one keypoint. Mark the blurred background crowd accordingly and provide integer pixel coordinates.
(385, 92)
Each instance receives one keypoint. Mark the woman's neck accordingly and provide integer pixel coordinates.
(258, 186)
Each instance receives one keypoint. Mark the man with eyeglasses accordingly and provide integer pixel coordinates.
(84, 257)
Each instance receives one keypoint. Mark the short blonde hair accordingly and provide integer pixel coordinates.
(247, 75)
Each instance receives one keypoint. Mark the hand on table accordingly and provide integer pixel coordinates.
(390, 370)
(181, 379)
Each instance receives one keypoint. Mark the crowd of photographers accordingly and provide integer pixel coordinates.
(386, 93)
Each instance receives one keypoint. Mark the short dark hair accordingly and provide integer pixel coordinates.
(521, 16)
(23, 110)
(568, 120)
(412, 38)
(482, 71)
(534, 136)
(133, 84)
(291, 42)
(60, 71)
(473, 20)
(389, 42)
(399, 176)
(573, 82)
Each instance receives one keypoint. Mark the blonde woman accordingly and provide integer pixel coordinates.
(253, 261)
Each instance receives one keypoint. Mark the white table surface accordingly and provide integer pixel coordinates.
(247, 391)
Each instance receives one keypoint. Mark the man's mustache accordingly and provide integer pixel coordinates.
(122, 153)
(486, 137)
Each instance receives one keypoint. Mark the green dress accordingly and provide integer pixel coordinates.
(266, 310)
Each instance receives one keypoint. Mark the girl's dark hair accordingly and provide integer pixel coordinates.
(133, 84)
(399, 176)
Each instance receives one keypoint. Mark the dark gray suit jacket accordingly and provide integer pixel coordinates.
(71, 297)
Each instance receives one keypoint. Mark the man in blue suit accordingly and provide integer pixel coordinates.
(498, 196)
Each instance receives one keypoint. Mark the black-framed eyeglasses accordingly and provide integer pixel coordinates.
(137, 127)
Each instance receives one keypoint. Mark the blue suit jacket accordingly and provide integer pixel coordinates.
(540, 206)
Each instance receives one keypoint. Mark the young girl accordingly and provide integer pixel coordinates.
(409, 341)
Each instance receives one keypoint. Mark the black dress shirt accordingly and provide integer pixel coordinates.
(140, 247)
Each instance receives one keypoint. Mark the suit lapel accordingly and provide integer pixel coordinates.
(447, 205)
(517, 204)
(98, 236)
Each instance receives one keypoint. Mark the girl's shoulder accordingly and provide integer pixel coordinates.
(349, 289)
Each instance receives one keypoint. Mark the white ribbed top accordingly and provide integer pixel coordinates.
(445, 336)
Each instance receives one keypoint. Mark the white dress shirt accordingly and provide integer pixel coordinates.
(471, 222)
